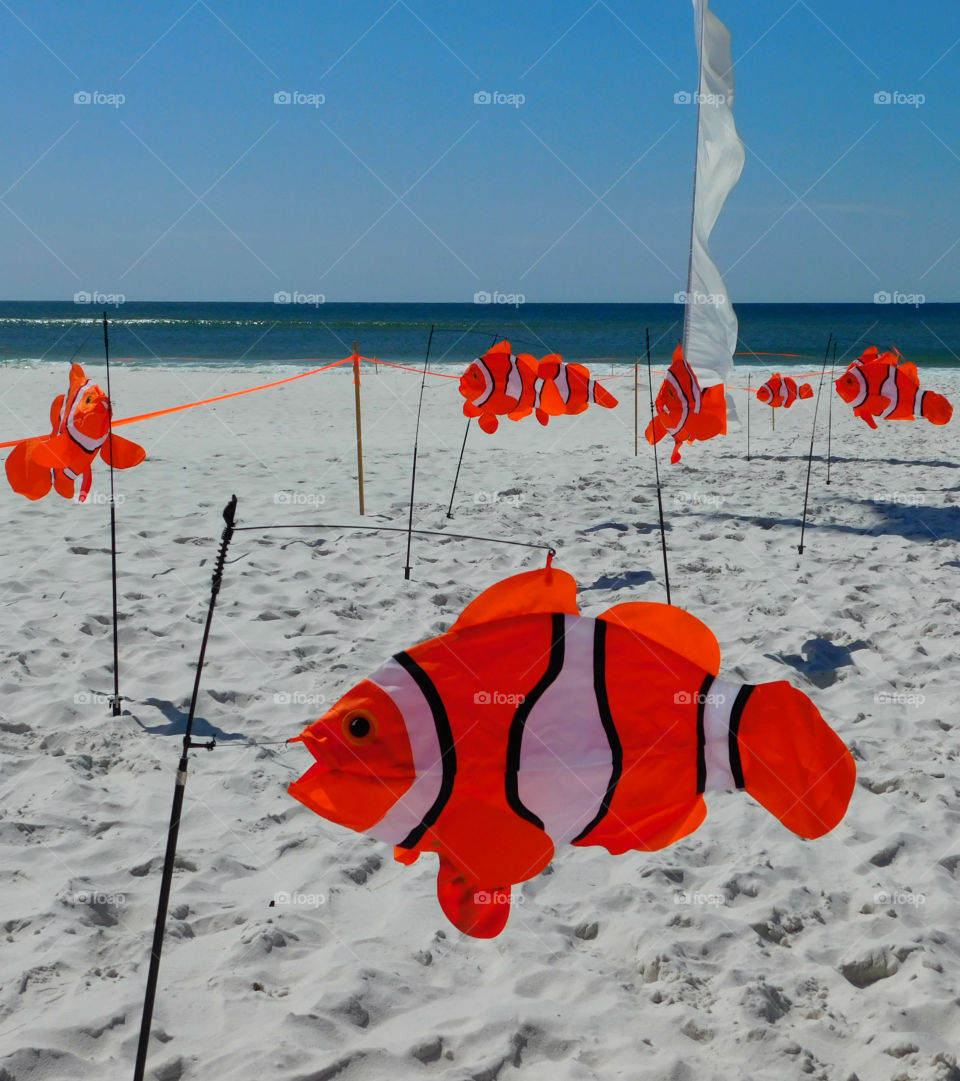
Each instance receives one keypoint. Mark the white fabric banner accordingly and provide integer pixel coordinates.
(710, 323)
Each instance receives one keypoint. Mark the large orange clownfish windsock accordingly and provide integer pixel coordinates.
(526, 726)
(879, 390)
(781, 391)
(80, 423)
(684, 410)
(499, 384)
(567, 389)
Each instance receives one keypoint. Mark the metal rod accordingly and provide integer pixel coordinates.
(656, 466)
(173, 831)
(813, 432)
(115, 698)
(416, 438)
(356, 388)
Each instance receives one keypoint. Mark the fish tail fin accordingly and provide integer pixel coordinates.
(936, 408)
(805, 390)
(713, 410)
(655, 430)
(25, 476)
(603, 397)
(788, 758)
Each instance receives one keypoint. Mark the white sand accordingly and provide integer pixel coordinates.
(831, 959)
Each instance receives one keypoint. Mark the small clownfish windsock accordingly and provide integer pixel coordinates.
(782, 391)
(684, 410)
(567, 389)
(526, 726)
(80, 420)
(880, 391)
(499, 384)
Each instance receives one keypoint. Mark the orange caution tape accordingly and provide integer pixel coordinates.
(207, 401)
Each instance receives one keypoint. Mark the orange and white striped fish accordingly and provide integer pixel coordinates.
(567, 389)
(526, 726)
(684, 410)
(81, 429)
(782, 391)
(879, 391)
(499, 384)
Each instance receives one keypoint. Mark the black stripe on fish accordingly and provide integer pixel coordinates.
(736, 766)
(515, 740)
(613, 737)
(701, 735)
(448, 754)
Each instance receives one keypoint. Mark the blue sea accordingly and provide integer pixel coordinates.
(151, 333)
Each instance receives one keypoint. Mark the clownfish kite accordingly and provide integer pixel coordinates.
(80, 420)
(684, 410)
(782, 391)
(527, 725)
(882, 387)
(503, 384)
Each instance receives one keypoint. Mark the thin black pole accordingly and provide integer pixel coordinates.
(830, 413)
(748, 416)
(416, 438)
(115, 699)
(466, 432)
(636, 406)
(656, 467)
(813, 432)
(229, 513)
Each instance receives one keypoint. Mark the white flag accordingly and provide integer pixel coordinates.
(710, 323)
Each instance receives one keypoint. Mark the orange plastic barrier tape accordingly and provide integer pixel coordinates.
(418, 371)
(207, 401)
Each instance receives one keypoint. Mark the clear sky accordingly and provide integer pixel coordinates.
(399, 186)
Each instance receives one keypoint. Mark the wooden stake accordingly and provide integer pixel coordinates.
(356, 389)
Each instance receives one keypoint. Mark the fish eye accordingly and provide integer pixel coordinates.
(359, 727)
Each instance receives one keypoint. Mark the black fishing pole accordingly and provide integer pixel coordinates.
(748, 416)
(813, 432)
(656, 467)
(416, 438)
(115, 699)
(830, 414)
(463, 448)
(229, 514)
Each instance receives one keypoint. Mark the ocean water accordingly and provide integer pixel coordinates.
(246, 335)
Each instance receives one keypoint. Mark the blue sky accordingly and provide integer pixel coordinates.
(400, 187)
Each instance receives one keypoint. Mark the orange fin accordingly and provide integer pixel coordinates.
(478, 912)
(126, 453)
(532, 593)
(550, 400)
(910, 369)
(792, 760)
(489, 423)
(714, 405)
(406, 855)
(27, 478)
(47, 453)
(470, 410)
(55, 407)
(671, 627)
(655, 430)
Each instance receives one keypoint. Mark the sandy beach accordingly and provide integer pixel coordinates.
(298, 951)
